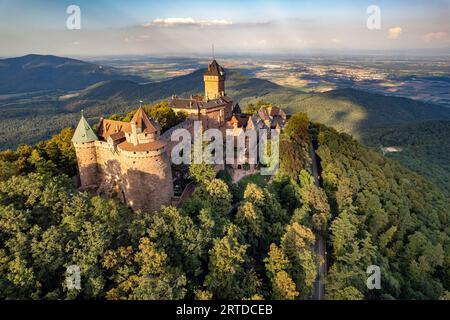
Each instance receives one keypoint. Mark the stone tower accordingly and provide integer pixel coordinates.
(214, 79)
(146, 178)
(125, 160)
(84, 142)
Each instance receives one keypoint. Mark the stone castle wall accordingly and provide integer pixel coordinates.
(87, 164)
(142, 180)
(214, 118)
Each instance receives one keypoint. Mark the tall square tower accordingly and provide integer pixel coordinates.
(214, 79)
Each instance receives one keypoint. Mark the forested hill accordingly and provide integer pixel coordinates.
(351, 111)
(422, 147)
(383, 215)
(346, 110)
(38, 72)
(250, 240)
(237, 86)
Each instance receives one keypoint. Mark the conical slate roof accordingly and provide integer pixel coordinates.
(83, 132)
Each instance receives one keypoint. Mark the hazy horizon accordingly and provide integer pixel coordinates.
(319, 53)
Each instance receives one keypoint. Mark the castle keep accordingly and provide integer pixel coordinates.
(215, 108)
(130, 160)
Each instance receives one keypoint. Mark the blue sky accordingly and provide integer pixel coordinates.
(174, 27)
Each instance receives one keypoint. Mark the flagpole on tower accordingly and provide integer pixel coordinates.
(213, 52)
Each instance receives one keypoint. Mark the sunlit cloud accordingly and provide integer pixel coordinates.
(436, 37)
(170, 22)
(394, 33)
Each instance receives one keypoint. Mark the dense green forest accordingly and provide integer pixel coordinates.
(245, 241)
(425, 148)
(384, 215)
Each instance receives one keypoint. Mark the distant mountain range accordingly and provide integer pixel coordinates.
(237, 86)
(37, 72)
(104, 91)
(347, 110)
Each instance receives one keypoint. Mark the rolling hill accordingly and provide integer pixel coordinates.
(38, 72)
(350, 110)
(347, 110)
(237, 85)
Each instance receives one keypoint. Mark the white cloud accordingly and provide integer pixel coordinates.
(306, 41)
(168, 22)
(394, 33)
(436, 36)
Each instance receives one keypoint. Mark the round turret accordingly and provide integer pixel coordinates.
(84, 140)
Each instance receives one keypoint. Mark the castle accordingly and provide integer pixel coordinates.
(215, 108)
(130, 160)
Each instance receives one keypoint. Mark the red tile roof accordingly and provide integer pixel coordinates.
(144, 123)
(107, 127)
(142, 147)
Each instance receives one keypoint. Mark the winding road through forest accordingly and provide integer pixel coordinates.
(320, 245)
